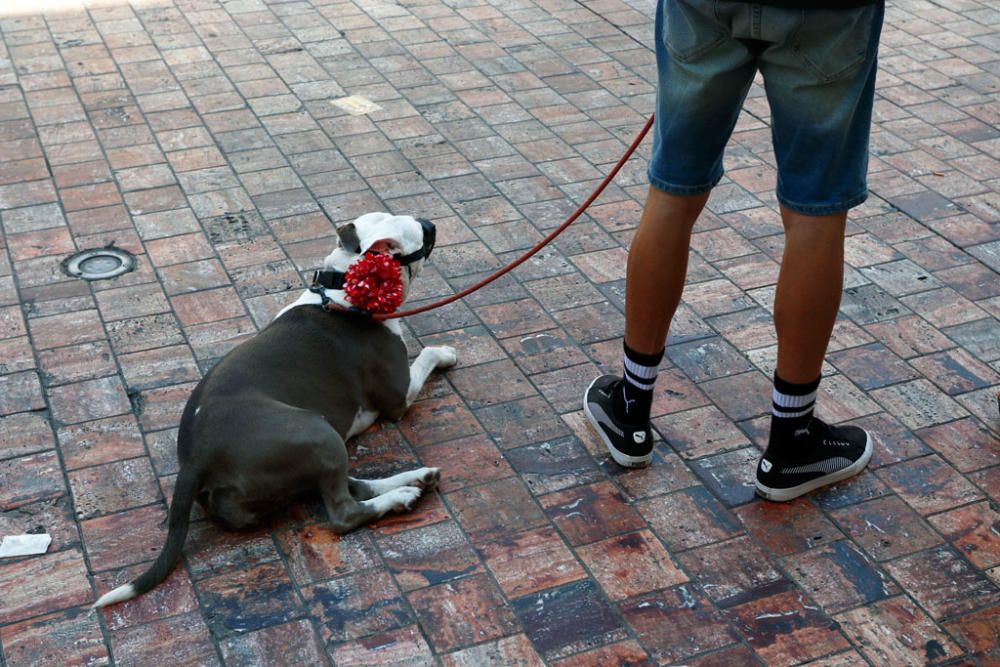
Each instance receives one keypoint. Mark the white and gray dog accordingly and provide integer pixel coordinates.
(269, 422)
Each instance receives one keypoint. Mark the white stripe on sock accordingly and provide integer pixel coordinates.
(790, 415)
(639, 385)
(789, 401)
(640, 371)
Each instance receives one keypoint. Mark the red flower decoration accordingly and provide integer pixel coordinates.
(374, 283)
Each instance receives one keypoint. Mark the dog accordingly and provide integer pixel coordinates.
(269, 421)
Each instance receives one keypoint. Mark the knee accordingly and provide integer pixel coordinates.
(816, 227)
(664, 208)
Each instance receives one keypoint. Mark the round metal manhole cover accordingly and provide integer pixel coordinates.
(99, 264)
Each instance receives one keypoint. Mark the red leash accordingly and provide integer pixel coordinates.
(523, 258)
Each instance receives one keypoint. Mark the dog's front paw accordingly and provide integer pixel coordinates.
(404, 498)
(447, 356)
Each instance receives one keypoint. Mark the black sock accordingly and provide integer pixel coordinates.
(634, 396)
(791, 411)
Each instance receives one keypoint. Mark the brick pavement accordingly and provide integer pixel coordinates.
(201, 136)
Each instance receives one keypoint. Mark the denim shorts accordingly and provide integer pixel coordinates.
(819, 76)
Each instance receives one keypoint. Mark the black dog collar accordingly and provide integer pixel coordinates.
(328, 279)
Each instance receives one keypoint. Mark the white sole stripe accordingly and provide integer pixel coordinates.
(826, 466)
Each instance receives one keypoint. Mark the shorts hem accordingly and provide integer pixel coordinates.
(824, 209)
(675, 189)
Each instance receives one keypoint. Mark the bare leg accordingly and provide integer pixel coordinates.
(805, 310)
(657, 267)
(809, 289)
(619, 407)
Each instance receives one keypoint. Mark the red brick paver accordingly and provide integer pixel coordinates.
(202, 136)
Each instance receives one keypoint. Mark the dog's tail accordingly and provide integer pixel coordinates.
(180, 510)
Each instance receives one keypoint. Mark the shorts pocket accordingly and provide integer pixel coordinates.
(833, 44)
(690, 29)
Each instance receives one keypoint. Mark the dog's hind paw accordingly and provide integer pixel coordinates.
(447, 356)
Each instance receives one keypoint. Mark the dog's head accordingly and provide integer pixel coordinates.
(408, 239)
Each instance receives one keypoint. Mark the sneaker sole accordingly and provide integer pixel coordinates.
(621, 458)
(784, 495)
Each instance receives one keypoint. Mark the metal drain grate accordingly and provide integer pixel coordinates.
(99, 264)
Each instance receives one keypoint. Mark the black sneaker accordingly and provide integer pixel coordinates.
(629, 446)
(820, 454)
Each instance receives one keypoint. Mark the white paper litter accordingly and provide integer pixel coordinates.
(356, 105)
(24, 545)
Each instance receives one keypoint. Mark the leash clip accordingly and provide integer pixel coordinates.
(316, 288)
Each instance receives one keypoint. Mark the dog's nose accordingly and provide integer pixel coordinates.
(430, 235)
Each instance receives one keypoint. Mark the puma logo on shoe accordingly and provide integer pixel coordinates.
(639, 437)
(765, 465)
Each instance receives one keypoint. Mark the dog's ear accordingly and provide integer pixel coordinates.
(349, 241)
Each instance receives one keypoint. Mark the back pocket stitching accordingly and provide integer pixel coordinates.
(701, 50)
(824, 77)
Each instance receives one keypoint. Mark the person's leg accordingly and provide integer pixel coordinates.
(704, 75)
(803, 452)
(657, 266)
(619, 406)
(809, 289)
(805, 309)
(819, 75)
